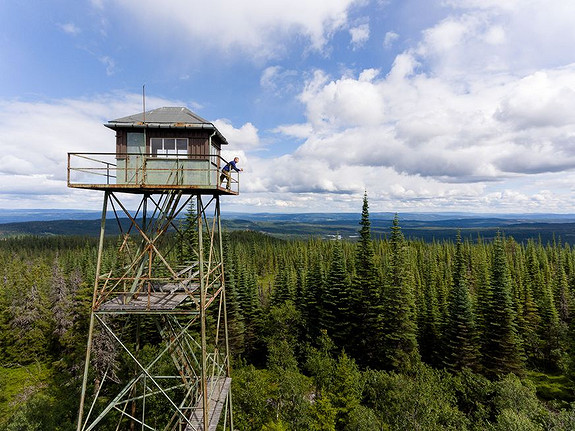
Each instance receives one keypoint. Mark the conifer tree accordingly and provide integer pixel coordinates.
(429, 318)
(501, 353)
(460, 334)
(236, 327)
(252, 313)
(61, 299)
(480, 275)
(189, 234)
(366, 303)
(313, 300)
(563, 299)
(531, 316)
(335, 313)
(283, 290)
(399, 329)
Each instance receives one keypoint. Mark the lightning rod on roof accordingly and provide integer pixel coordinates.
(144, 101)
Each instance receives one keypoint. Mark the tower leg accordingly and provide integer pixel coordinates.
(91, 327)
(182, 375)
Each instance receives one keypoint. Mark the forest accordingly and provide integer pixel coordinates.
(373, 334)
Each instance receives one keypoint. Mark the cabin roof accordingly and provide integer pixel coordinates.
(172, 117)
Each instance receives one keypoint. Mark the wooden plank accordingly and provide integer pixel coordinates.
(153, 301)
(218, 388)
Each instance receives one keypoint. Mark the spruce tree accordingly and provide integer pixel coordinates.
(313, 300)
(460, 333)
(501, 353)
(399, 329)
(235, 318)
(283, 290)
(188, 228)
(335, 313)
(366, 303)
(429, 316)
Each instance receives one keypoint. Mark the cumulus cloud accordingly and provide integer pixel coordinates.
(295, 130)
(460, 119)
(423, 126)
(545, 98)
(390, 38)
(493, 36)
(36, 138)
(244, 138)
(344, 102)
(278, 80)
(477, 114)
(359, 35)
(259, 28)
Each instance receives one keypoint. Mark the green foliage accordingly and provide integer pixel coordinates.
(552, 387)
(322, 415)
(517, 406)
(501, 350)
(461, 350)
(399, 344)
(275, 426)
(424, 400)
(252, 389)
(317, 314)
(366, 309)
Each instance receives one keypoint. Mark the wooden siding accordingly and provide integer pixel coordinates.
(198, 140)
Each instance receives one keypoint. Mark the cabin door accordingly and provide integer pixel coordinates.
(136, 146)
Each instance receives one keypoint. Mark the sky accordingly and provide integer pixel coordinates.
(426, 105)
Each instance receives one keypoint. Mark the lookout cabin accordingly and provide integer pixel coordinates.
(161, 149)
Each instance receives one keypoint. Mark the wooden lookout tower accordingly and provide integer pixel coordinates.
(157, 355)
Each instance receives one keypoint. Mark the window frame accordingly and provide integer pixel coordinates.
(166, 152)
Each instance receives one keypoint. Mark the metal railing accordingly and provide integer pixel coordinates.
(133, 170)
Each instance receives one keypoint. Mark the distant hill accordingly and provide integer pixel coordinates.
(425, 226)
(24, 215)
(428, 227)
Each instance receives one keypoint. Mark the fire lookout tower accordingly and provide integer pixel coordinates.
(159, 303)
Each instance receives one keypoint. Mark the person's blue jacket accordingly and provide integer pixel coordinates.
(233, 165)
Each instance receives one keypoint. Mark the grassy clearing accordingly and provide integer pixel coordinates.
(552, 387)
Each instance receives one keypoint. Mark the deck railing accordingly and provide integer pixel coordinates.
(133, 170)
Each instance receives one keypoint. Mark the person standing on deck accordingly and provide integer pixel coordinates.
(227, 173)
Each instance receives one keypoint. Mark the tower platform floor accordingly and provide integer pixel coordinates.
(218, 388)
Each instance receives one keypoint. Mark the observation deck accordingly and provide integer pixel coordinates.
(150, 173)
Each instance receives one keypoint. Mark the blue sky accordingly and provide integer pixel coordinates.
(446, 105)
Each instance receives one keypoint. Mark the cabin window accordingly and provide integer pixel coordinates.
(214, 153)
(169, 146)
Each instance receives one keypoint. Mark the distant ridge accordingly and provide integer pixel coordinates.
(26, 215)
(424, 226)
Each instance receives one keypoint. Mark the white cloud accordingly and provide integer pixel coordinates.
(295, 130)
(244, 138)
(493, 36)
(343, 103)
(465, 120)
(36, 138)
(359, 35)
(390, 38)
(278, 80)
(545, 98)
(260, 28)
(70, 28)
(477, 114)
(109, 63)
